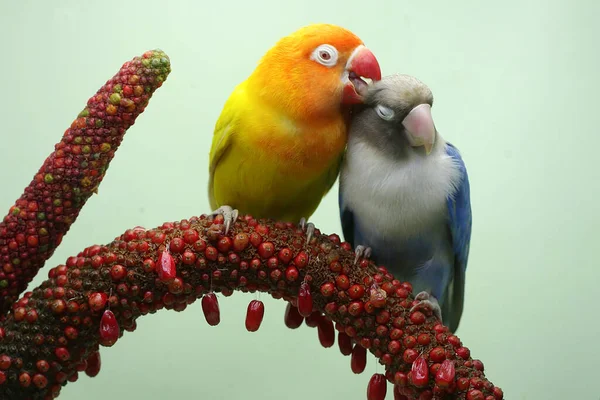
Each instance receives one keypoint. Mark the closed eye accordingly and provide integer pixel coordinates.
(384, 112)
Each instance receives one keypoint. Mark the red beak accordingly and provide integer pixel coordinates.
(361, 64)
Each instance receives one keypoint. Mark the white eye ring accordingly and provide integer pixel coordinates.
(326, 55)
(384, 112)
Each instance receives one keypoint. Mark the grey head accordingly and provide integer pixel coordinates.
(396, 116)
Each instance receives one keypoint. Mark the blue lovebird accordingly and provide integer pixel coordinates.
(404, 195)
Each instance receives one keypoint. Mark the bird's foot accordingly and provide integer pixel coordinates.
(426, 300)
(229, 216)
(307, 227)
(361, 251)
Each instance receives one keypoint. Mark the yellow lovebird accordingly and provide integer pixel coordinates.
(279, 140)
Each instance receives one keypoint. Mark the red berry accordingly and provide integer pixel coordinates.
(255, 239)
(424, 339)
(498, 393)
(378, 296)
(97, 301)
(342, 282)
(31, 316)
(445, 375)
(377, 388)
(356, 291)
(254, 315)
(478, 365)
(240, 242)
(62, 353)
(420, 372)
(224, 244)
(462, 383)
(262, 229)
(335, 266)
(313, 319)
(25, 379)
(355, 308)
(409, 342)
(327, 289)
(176, 286)
(211, 253)
(93, 364)
(394, 347)
(463, 353)
(301, 260)
(475, 394)
(40, 381)
(109, 329)
(166, 266)
(210, 307)
(454, 341)
(344, 343)
(335, 238)
(407, 286)
(285, 255)
(417, 317)
(266, 250)
(358, 360)
(326, 332)
(190, 236)
(291, 274)
(437, 354)
(292, 317)
(176, 245)
(305, 302)
(118, 272)
(400, 379)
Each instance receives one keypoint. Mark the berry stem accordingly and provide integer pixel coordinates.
(38, 220)
(68, 307)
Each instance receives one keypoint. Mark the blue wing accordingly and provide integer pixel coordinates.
(347, 220)
(459, 226)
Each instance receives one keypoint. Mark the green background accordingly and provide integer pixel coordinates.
(515, 86)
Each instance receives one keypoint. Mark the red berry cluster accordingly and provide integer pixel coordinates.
(53, 332)
(37, 222)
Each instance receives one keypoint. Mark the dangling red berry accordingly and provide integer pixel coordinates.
(254, 315)
(292, 317)
(109, 329)
(166, 266)
(358, 360)
(377, 388)
(344, 343)
(305, 302)
(420, 372)
(210, 307)
(398, 395)
(445, 375)
(313, 319)
(93, 364)
(326, 332)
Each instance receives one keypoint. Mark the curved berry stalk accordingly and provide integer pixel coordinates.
(37, 222)
(54, 332)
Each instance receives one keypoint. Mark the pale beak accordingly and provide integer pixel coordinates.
(420, 128)
(361, 67)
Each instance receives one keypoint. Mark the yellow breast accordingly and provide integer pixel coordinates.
(277, 168)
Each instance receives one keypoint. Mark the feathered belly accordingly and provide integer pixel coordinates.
(265, 185)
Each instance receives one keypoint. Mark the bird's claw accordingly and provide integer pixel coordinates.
(361, 251)
(307, 227)
(426, 300)
(229, 216)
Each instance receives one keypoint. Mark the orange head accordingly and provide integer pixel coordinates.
(315, 71)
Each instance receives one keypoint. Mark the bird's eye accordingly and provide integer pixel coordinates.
(325, 55)
(384, 112)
